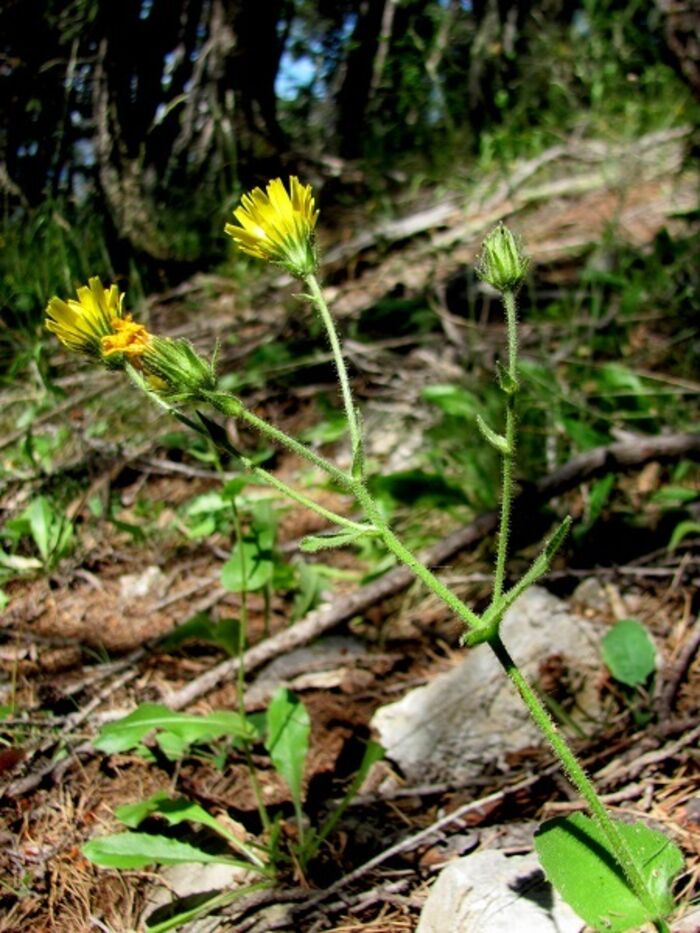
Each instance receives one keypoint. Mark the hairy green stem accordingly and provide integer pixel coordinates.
(467, 615)
(319, 301)
(575, 773)
(240, 684)
(271, 480)
(509, 455)
(228, 405)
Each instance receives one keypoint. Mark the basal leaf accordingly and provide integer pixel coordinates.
(223, 633)
(287, 741)
(138, 850)
(178, 810)
(129, 732)
(578, 860)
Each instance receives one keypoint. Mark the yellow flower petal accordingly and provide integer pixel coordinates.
(80, 325)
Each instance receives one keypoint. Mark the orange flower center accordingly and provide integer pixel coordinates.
(129, 338)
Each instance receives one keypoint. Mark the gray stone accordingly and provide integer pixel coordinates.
(471, 716)
(489, 892)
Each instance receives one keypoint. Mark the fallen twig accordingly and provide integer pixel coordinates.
(678, 672)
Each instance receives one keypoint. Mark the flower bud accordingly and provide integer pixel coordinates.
(501, 263)
(175, 370)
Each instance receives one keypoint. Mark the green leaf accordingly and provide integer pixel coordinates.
(675, 494)
(133, 814)
(505, 380)
(577, 859)
(178, 810)
(495, 440)
(41, 518)
(250, 566)
(598, 496)
(582, 434)
(201, 627)
(129, 732)
(138, 850)
(173, 746)
(629, 652)
(234, 487)
(682, 530)
(311, 583)
(252, 563)
(287, 739)
(313, 543)
(452, 400)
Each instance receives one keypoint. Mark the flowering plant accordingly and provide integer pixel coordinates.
(278, 226)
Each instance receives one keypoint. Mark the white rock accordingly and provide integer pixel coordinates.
(471, 716)
(489, 892)
(140, 585)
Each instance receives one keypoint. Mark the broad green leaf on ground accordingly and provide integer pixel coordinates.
(251, 565)
(129, 732)
(629, 652)
(287, 741)
(138, 850)
(578, 861)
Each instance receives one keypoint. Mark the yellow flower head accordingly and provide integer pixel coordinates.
(278, 226)
(127, 337)
(80, 325)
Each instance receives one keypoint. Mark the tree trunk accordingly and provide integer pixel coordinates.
(354, 95)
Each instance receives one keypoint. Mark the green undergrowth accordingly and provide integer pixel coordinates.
(623, 335)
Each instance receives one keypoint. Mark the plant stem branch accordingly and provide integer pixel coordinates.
(319, 301)
(271, 480)
(509, 455)
(467, 615)
(240, 678)
(232, 407)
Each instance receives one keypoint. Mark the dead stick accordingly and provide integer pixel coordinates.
(678, 672)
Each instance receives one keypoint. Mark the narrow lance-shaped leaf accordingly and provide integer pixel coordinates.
(127, 733)
(287, 742)
(179, 810)
(495, 440)
(138, 850)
